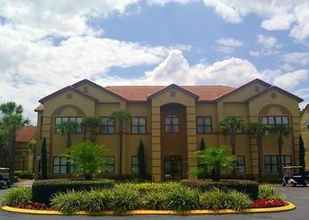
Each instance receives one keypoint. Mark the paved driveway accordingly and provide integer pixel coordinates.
(300, 196)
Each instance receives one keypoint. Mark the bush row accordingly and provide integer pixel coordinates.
(123, 198)
(43, 190)
(248, 187)
(17, 196)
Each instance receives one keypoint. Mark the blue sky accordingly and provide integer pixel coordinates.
(45, 46)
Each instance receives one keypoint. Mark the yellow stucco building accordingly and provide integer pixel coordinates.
(305, 132)
(171, 121)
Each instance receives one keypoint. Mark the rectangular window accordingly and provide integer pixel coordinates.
(241, 165)
(109, 165)
(138, 125)
(275, 120)
(171, 124)
(271, 163)
(61, 165)
(60, 120)
(108, 125)
(204, 125)
(134, 165)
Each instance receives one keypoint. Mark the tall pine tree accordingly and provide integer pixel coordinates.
(44, 159)
(141, 161)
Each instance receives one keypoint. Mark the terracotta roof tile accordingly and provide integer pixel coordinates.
(25, 134)
(141, 93)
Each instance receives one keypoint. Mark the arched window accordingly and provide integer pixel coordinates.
(171, 123)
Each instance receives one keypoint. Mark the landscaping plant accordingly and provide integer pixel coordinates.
(125, 199)
(68, 203)
(17, 196)
(268, 192)
(87, 159)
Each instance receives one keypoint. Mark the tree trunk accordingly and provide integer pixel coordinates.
(12, 155)
(120, 146)
(280, 143)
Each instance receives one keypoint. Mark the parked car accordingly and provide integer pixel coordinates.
(4, 177)
(294, 175)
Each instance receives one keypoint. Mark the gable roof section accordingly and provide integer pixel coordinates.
(174, 86)
(141, 93)
(278, 89)
(65, 89)
(25, 134)
(245, 85)
(86, 81)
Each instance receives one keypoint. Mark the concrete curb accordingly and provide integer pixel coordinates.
(288, 207)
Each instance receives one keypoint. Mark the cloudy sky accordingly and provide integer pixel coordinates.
(46, 45)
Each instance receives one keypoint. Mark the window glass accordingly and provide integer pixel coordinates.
(204, 125)
(241, 165)
(275, 120)
(171, 124)
(271, 163)
(109, 165)
(134, 165)
(138, 125)
(108, 125)
(61, 165)
(60, 120)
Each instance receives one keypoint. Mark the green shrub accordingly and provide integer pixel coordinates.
(154, 200)
(237, 200)
(96, 201)
(69, 202)
(248, 187)
(24, 174)
(16, 196)
(218, 199)
(43, 190)
(268, 192)
(125, 198)
(143, 188)
(182, 198)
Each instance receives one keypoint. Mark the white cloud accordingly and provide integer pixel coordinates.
(267, 45)
(227, 45)
(296, 58)
(291, 79)
(290, 15)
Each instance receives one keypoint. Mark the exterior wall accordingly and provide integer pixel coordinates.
(305, 134)
(24, 158)
(238, 104)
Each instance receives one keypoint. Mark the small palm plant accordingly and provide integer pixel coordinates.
(215, 159)
(67, 128)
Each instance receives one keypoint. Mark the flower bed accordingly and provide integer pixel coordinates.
(123, 198)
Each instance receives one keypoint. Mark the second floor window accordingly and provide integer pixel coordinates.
(204, 125)
(78, 120)
(171, 124)
(138, 125)
(275, 120)
(108, 125)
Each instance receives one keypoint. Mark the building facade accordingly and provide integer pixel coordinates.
(305, 133)
(171, 121)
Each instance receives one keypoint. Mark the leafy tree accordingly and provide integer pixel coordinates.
(87, 159)
(202, 174)
(280, 131)
(11, 119)
(141, 161)
(67, 128)
(90, 126)
(258, 130)
(44, 159)
(302, 153)
(122, 117)
(215, 159)
(231, 125)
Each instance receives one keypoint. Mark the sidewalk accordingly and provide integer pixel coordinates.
(24, 183)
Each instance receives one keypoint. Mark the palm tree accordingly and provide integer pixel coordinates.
(67, 128)
(11, 119)
(121, 117)
(231, 125)
(90, 125)
(280, 131)
(215, 159)
(258, 130)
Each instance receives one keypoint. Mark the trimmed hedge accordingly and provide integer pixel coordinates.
(44, 190)
(248, 187)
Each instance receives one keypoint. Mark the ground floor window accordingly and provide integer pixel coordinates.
(134, 165)
(271, 163)
(61, 165)
(109, 165)
(241, 165)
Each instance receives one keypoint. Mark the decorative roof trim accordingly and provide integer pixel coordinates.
(175, 87)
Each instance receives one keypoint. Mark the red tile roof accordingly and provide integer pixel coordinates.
(141, 93)
(25, 134)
